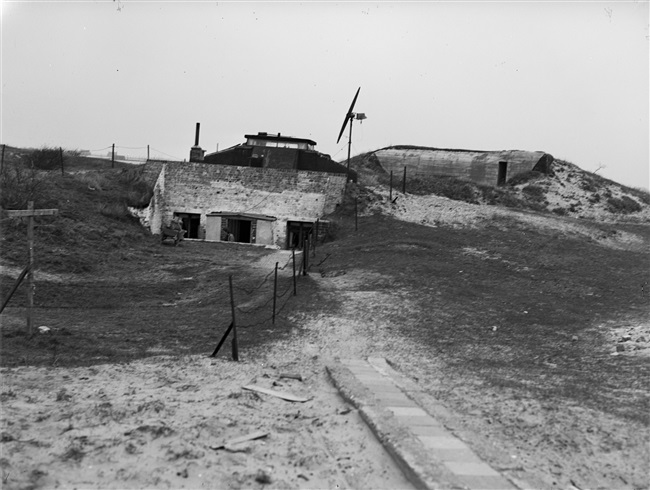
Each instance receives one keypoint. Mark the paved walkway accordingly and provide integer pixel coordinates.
(429, 455)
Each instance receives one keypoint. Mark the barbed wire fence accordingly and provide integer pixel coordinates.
(264, 302)
(252, 305)
(130, 154)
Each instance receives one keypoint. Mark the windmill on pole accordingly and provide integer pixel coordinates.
(350, 116)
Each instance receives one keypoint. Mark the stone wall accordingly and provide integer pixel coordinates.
(481, 167)
(285, 194)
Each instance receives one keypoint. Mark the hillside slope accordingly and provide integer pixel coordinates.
(566, 191)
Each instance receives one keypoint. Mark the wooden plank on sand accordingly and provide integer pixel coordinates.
(285, 396)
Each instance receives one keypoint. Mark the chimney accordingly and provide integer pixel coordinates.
(196, 153)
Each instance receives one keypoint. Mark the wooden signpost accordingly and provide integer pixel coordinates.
(30, 213)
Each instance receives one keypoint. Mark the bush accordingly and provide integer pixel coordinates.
(445, 186)
(19, 184)
(594, 198)
(534, 192)
(641, 194)
(139, 192)
(94, 180)
(46, 158)
(114, 210)
(624, 205)
(523, 177)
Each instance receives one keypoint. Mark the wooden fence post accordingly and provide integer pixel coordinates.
(305, 255)
(293, 257)
(356, 215)
(390, 195)
(61, 158)
(235, 345)
(113, 156)
(404, 182)
(30, 273)
(29, 214)
(275, 292)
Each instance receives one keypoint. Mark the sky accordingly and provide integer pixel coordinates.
(567, 78)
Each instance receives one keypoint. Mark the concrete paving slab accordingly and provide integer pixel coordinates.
(442, 442)
(436, 429)
(413, 411)
(417, 421)
(393, 400)
(430, 455)
(470, 468)
(462, 455)
(486, 482)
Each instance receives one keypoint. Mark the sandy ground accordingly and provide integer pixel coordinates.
(154, 423)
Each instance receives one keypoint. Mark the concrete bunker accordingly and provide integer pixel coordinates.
(491, 168)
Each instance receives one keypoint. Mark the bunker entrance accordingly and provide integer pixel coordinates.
(191, 223)
(298, 232)
(503, 172)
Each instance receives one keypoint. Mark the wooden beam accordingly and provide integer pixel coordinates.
(25, 213)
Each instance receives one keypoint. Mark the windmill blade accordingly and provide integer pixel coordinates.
(347, 116)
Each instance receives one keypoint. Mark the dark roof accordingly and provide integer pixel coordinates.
(279, 137)
(226, 214)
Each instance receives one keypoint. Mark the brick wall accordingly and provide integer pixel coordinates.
(200, 188)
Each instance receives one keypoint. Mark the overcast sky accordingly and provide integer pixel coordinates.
(568, 78)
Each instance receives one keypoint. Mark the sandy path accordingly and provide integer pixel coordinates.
(151, 423)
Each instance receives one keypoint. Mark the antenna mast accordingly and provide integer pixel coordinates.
(350, 116)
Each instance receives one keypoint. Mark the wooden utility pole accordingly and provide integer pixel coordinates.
(147, 152)
(2, 159)
(113, 156)
(29, 213)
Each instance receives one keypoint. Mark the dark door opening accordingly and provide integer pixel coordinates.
(191, 223)
(503, 172)
(297, 232)
(240, 230)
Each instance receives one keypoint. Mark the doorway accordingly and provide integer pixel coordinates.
(503, 172)
(240, 229)
(298, 232)
(191, 223)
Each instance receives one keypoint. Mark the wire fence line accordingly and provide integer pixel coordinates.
(261, 304)
(136, 154)
(111, 295)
